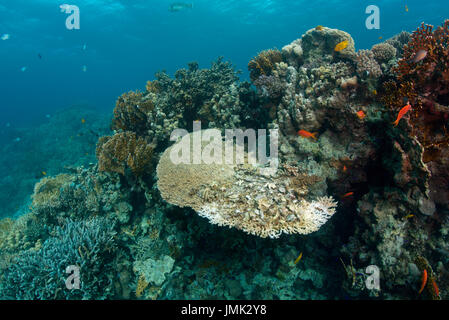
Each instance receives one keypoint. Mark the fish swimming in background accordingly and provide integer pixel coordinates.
(83, 121)
(361, 114)
(406, 8)
(401, 113)
(84, 47)
(340, 46)
(5, 36)
(39, 56)
(44, 173)
(84, 68)
(420, 55)
(307, 134)
(23, 69)
(348, 194)
(178, 6)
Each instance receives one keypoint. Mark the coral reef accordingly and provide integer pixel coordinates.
(138, 231)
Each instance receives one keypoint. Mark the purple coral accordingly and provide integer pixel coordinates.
(367, 65)
(270, 86)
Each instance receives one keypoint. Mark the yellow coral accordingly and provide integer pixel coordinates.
(142, 284)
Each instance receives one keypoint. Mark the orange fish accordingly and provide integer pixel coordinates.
(348, 194)
(361, 114)
(402, 112)
(345, 168)
(435, 287)
(406, 8)
(420, 55)
(83, 121)
(307, 134)
(424, 281)
(342, 45)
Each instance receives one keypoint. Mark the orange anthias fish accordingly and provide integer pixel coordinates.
(348, 194)
(435, 287)
(361, 114)
(420, 55)
(423, 281)
(402, 112)
(83, 121)
(340, 46)
(307, 134)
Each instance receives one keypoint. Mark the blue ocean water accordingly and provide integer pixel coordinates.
(122, 43)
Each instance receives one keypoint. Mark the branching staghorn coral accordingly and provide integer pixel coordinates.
(240, 196)
(124, 150)
(41, 274)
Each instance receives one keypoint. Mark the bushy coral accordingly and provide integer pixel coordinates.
(383, 52)
(41, 274)
(264, 63)
(131, 111)
(424, 83)
(367, 66)
(269, 86)
(124, 150)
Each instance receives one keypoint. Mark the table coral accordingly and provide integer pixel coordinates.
(240, 196)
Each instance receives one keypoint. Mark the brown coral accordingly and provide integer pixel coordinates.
(264, 63)
(425, 84)
(131, 111)
(124, 150)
